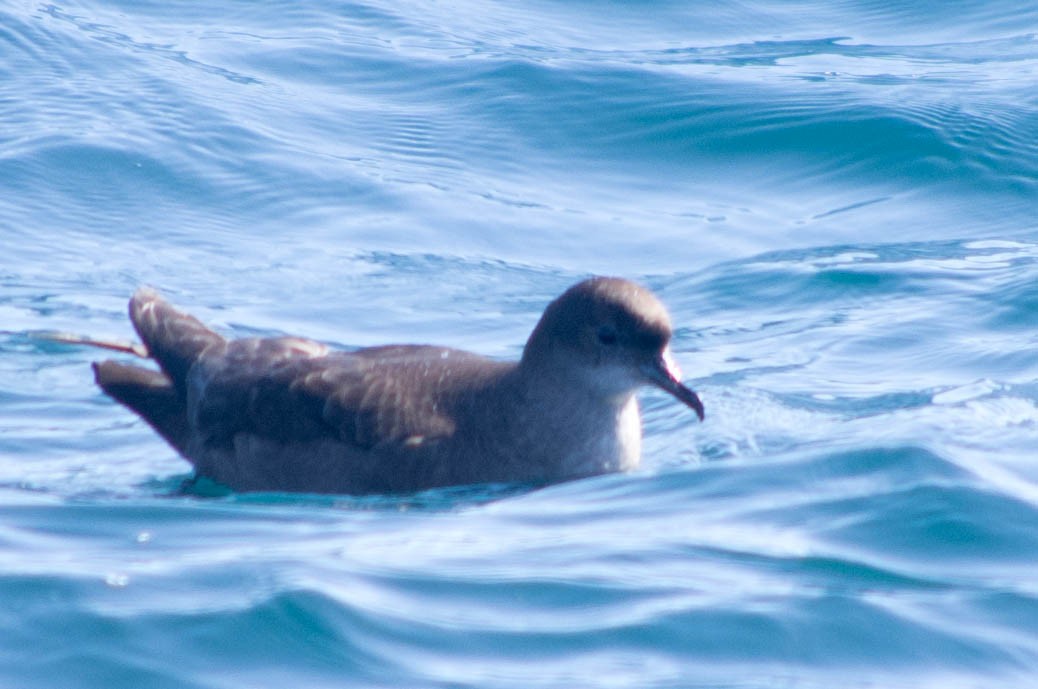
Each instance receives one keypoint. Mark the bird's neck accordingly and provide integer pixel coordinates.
(594, 433)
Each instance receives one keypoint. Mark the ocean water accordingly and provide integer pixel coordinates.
(837, 200)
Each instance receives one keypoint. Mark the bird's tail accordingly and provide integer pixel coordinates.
(174, 340)
(149, 393)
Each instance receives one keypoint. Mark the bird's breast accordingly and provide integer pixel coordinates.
(613, 444)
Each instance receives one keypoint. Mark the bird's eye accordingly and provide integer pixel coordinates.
(607, 335)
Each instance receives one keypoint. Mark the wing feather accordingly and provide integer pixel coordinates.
(290, 390)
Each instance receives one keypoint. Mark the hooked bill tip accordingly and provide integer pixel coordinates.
(665, 375)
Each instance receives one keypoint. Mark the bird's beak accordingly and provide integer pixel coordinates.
(665, 374)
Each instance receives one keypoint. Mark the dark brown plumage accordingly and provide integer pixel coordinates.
(289, 414)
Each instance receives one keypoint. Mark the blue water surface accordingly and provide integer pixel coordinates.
(837, 200)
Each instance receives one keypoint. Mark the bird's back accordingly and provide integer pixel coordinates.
(286, 414)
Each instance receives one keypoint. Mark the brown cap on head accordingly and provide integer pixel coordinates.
(615, 333)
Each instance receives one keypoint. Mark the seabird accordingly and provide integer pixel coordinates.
(292, 414)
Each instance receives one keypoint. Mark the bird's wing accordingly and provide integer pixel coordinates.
(173, 338)
(292, 390)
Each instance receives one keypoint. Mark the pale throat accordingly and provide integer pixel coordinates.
(628, 436)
